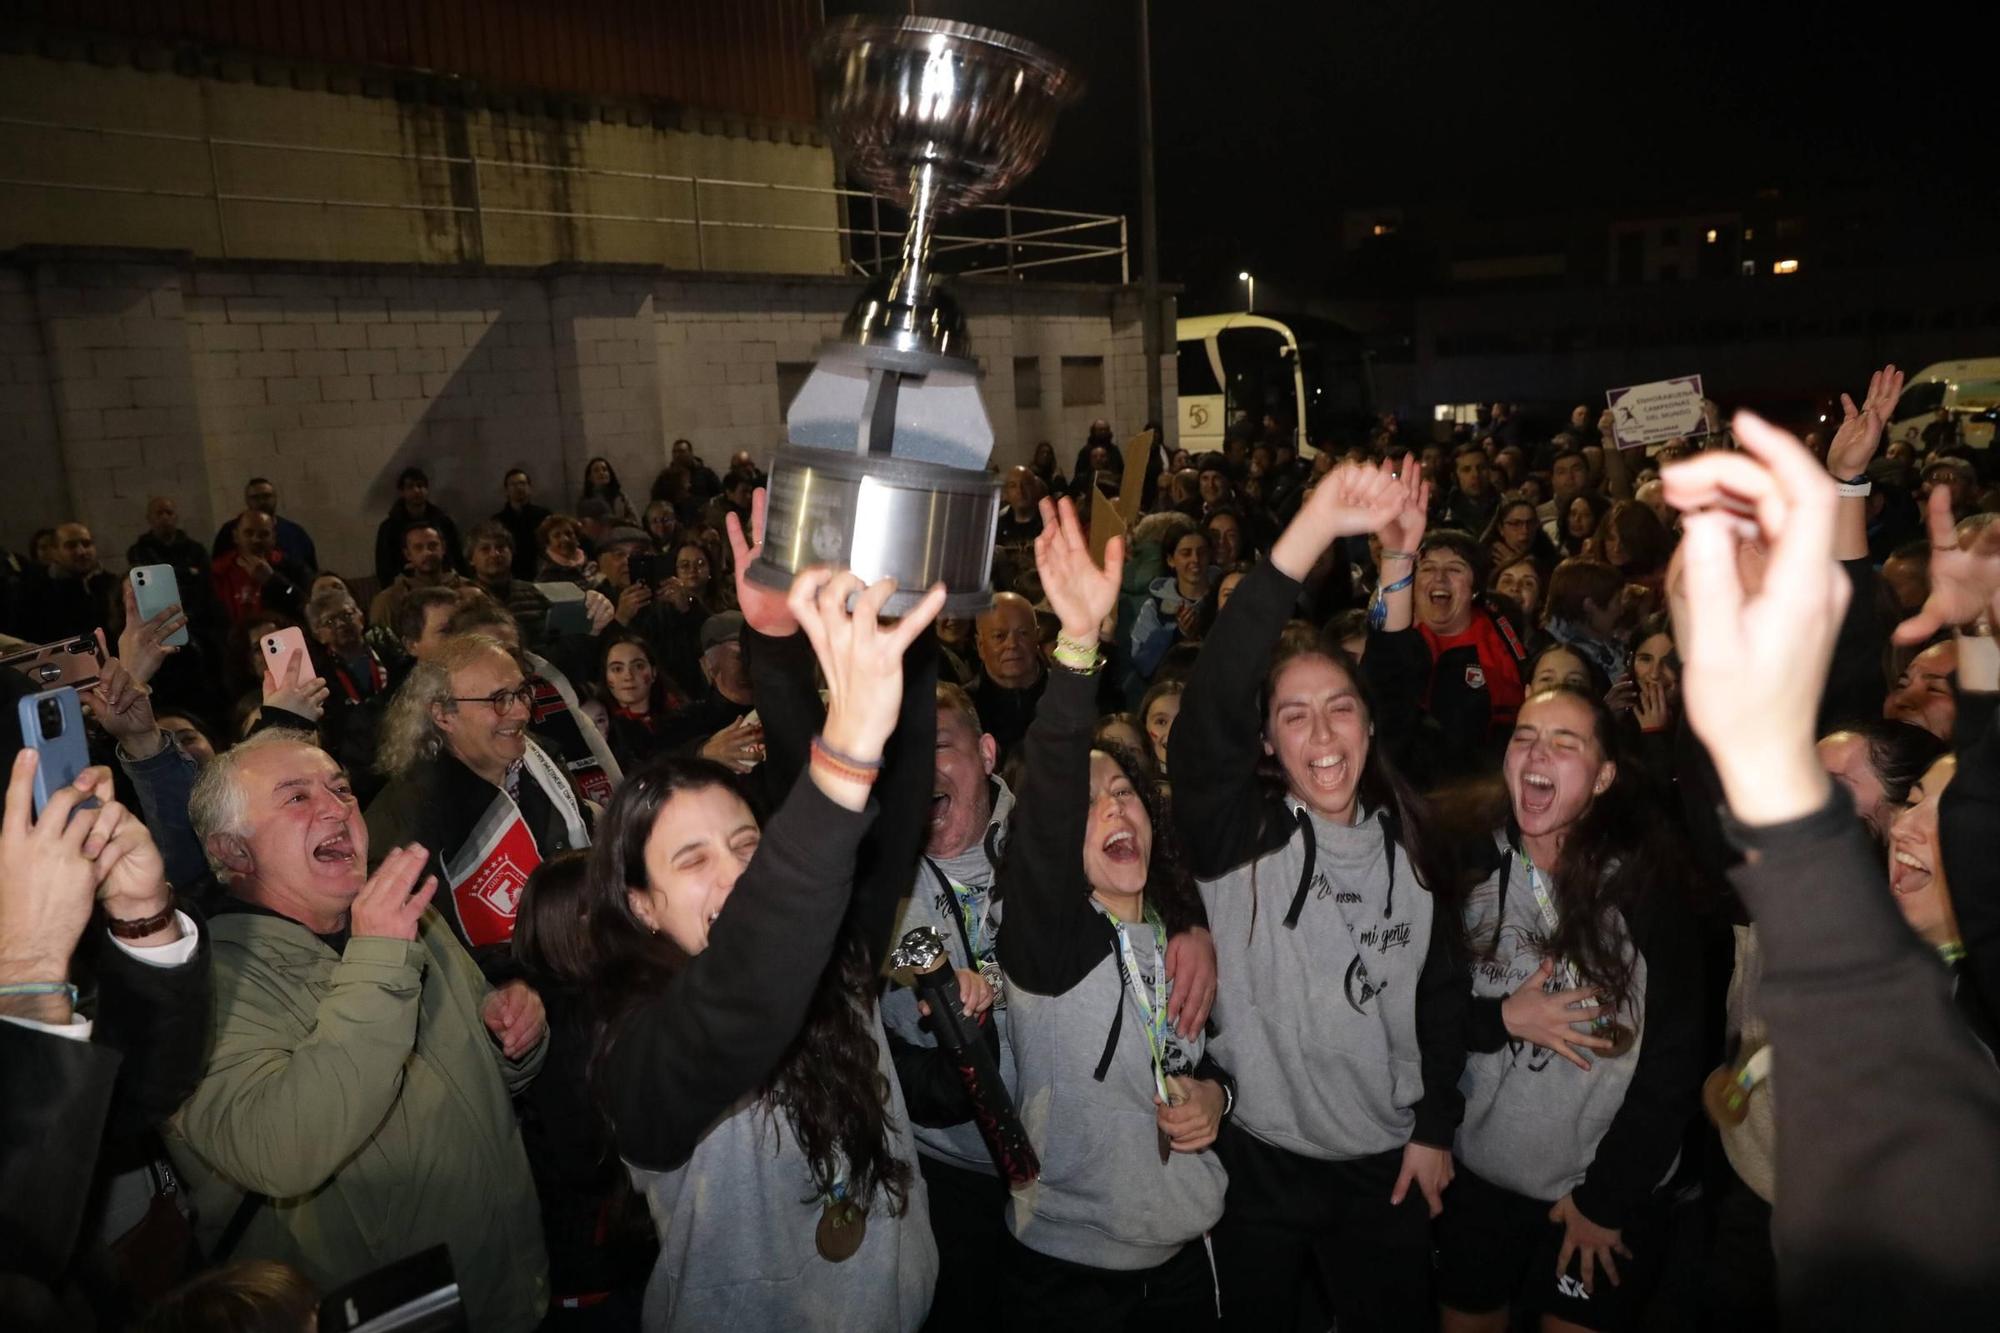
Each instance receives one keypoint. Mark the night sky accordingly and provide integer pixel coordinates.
(1272, 117)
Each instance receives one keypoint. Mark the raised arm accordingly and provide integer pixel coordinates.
(1852, 449)
(1052, 937)
(1222, 818)
(684, 1057)
(1965, 593)
(1888, 1171)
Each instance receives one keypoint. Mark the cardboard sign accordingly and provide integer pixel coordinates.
(1653, 413)
(1132, 486)
(1105, 523)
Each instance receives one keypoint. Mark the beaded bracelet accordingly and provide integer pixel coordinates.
(839, 768)
(1390, 554)
(25, 988)
(1078, 655)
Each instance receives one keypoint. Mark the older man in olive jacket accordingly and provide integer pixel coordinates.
(355, 1108)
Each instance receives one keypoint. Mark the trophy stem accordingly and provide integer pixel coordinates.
(913, 277)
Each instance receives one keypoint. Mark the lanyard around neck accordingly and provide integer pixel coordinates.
(1152, 1009)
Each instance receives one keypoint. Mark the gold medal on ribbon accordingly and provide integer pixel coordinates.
(843, 1225)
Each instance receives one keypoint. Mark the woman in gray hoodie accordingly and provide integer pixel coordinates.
(1341, 1001)
(740, 1054)
(1122, 1107)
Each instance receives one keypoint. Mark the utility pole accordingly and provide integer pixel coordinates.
(1149, 225)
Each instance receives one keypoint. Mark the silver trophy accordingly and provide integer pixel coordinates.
(885, 469)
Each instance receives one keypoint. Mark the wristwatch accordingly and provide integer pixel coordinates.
(140, 929)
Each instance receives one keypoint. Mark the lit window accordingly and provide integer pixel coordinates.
(1711, 236)
(1783, 266)
(1749, 268)
(1385, 228)
(1749, 233)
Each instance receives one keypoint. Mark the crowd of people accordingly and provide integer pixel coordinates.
(1383, 889)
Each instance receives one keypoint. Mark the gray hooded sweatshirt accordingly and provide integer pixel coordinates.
(1086, 1083)
(1536, 1124)
(1318, 1021)
(736, 1227)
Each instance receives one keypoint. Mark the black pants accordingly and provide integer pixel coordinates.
(1287, 1218)
(969, 1222)
(1740, 1278)
(1047, 1295)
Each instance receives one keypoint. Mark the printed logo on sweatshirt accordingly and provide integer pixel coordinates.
(1475, 677)
(1572, 1287)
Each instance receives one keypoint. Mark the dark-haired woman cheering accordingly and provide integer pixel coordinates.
(1586, 1029)
(1340, 1006)
(750, 1095)
(1120, 1105)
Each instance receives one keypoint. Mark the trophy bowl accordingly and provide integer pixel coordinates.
(885, 468)
(975, 105)
(879, 517)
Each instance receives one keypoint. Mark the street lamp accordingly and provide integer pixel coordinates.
(1250, 301)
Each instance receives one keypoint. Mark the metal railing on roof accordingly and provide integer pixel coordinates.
(1008, 238)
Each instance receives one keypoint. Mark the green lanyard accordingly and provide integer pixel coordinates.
(1152, 1009)
(1567, 979)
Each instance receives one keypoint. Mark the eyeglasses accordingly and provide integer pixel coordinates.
(500, 700)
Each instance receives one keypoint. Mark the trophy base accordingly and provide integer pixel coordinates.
(881, 517)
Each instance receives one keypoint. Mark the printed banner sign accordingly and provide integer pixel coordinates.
(1654, 413)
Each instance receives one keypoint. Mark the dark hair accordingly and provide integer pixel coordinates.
(1570, 543)
(1159, 690)
(1621, 855)
(512, 473)
(1576, 581)
(1460, 543)
(247, 1296)
(612, 639)
(1169, 887)
(1898, 752)
(1346, 625)
(1642, 538)
(1599, 683)
(478, 613)
(491, 531)
(410, 474)
(1382, 785)
(552, 922)
(256, 481)
(1660, 622)
(611, 491)
(828, 1082)
(420, 525)
(411, 611)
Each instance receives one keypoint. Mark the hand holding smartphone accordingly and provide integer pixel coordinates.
(155, 588)
(52, 726)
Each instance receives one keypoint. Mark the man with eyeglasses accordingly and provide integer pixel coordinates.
(467, 782)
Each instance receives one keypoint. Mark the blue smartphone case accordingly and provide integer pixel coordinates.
(65, 754)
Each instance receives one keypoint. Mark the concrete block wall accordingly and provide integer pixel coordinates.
(130, 375)
(345, 176)
(30, 455)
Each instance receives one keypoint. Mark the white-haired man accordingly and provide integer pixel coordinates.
(467, 782)
(355, 1108)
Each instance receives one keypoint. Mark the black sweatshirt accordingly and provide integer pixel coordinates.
(1228, 820)
(685, 1056)
(1888, 1146)
(1969, 836)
